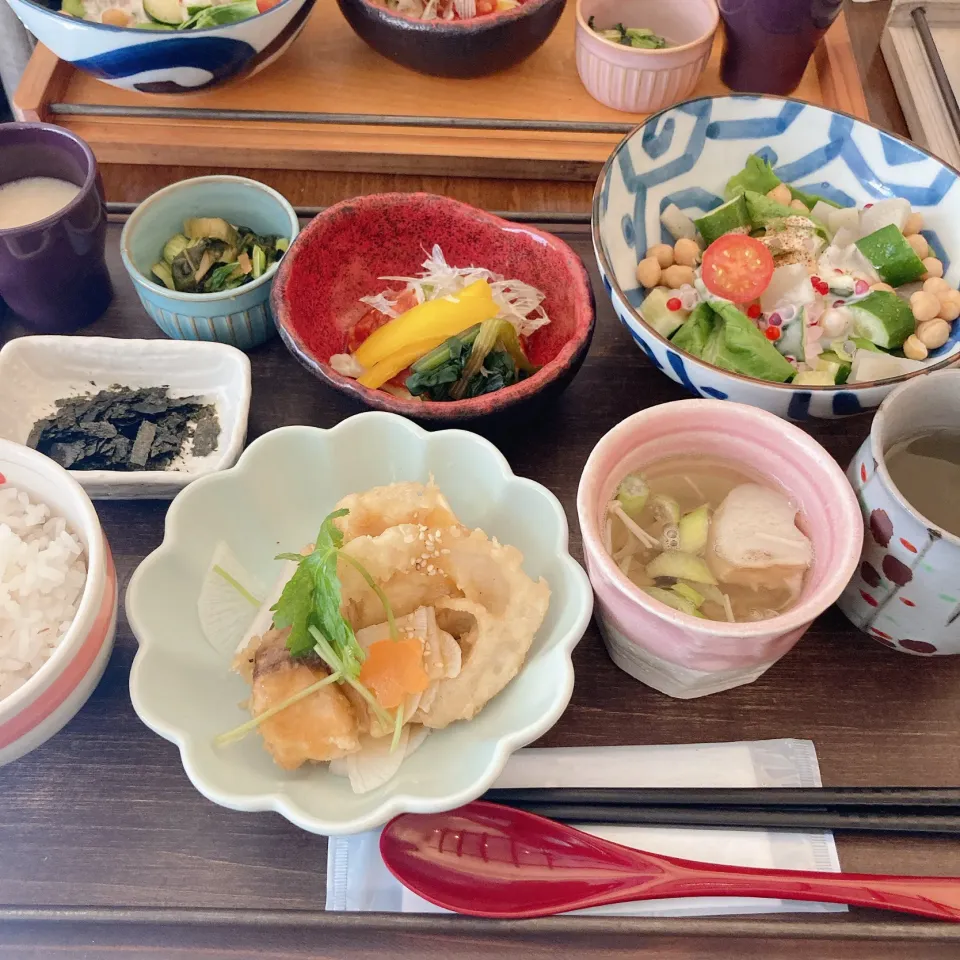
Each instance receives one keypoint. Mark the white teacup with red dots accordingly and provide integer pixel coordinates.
(906, 593)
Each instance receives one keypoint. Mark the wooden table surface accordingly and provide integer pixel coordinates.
(103, 817)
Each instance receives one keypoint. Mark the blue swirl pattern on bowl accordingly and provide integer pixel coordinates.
(685, 154)
(166, 62)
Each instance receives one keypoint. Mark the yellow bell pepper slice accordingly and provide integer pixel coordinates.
(387, 369)
(432, 320)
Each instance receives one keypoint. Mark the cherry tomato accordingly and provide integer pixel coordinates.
(264, 5)
(737, 267)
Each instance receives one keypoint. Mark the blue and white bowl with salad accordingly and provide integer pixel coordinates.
(781, 254)
(165, 46)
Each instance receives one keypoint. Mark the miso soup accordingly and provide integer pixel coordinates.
(709, 539)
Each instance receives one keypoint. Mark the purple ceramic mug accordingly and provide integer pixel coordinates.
(52, 272)
(770, 42)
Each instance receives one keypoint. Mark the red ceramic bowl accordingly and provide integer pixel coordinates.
(344, 251)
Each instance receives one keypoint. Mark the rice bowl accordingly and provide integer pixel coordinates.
(42, 575)
(49, 535)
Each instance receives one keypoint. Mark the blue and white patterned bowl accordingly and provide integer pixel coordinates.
(240, 317)
(685, 155)
(166, 62)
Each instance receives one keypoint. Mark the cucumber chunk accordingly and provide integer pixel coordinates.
(883, 318)
(165, 11)
(892, 257)
(656, 312)
(680, 566)
(726, 218)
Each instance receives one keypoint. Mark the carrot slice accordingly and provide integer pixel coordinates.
(393, 669)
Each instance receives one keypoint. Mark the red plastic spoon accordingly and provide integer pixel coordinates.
(493, 861)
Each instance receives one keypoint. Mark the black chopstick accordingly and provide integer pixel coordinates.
(865, 799)
(936, 65)
(747, 819)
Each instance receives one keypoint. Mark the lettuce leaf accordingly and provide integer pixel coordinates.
(720, 334)
(757, 176)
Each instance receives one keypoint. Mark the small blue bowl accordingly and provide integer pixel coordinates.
(240, 317)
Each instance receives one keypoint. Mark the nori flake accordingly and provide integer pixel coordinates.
(126, 429)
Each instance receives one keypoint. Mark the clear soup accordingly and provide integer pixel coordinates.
(709, 539)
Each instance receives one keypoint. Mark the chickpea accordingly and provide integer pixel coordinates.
(925, 306)
(799, 206)
(913, 225)
(781, 194)
(687, 252)
(676, 276)
(949, 310)
(662, 253)
(116, 17)
(937, 286)
(933, 333)
(934, 267)
(951, 296)
(648, 272)
(882, 287)
(920, 246)
(914, 349)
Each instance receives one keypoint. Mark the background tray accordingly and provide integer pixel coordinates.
(913, 24)
(103, 840)
(344, 107)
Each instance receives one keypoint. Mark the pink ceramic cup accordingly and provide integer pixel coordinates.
(672, 652)
(637, 80)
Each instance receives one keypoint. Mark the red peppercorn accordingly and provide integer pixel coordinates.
(772, 333)
(815, 282)
(867, 206)
(674, 303)
(754, 311)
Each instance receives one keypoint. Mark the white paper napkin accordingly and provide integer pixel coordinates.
(357, 880)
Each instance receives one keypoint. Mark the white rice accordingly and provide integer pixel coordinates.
(42, 573)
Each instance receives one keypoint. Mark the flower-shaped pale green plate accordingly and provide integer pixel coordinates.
(273, 500)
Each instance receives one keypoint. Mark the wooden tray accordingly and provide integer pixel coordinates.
(331, 103)
(921, 44)
(104, 842)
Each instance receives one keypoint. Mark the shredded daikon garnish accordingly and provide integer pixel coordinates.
(519, 302)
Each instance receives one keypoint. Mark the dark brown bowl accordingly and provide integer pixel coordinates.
(460, 48)
(340, 256)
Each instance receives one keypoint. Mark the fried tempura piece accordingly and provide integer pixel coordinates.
(381, 508)
(320, 727)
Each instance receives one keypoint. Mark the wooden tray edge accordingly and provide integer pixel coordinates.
(45, 82)
(916, 87)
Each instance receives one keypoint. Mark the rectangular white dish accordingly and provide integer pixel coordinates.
(37, 371)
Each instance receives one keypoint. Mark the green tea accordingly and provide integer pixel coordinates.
(926, 471)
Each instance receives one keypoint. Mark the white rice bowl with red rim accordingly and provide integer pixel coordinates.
(42, 685)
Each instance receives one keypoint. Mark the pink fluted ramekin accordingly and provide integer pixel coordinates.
(672, 652)
(50, 698)
(637, 80)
